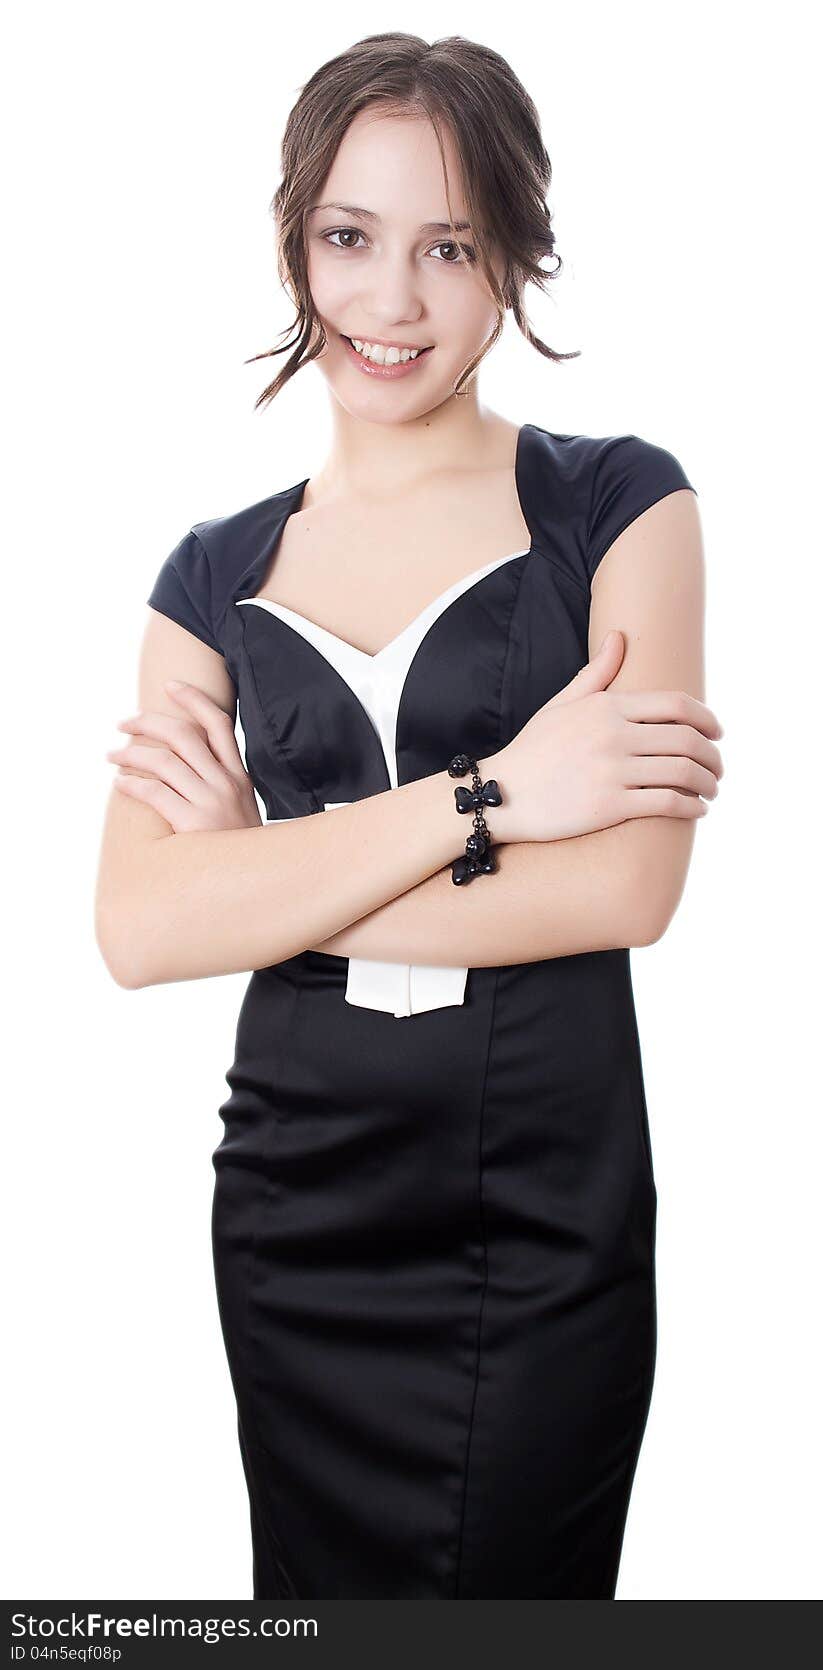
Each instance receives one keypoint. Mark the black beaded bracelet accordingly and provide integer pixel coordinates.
(479, 858)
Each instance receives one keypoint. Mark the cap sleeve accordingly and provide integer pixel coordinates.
(630, 475)
(183, 590)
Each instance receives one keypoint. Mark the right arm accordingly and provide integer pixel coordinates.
(176, 903)
(183, 906)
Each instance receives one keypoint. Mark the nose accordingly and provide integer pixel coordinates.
(393, 298)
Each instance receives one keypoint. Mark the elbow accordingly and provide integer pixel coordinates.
(118, 944)
(656, 877)
(649, 926)
(652, 910)
(122, 973)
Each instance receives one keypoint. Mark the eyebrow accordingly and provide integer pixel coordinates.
(368, 214)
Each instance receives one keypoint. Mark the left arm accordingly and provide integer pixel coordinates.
(608, 889)
(614, 887)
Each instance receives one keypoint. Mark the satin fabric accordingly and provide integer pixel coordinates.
(434, 1237)
(377, 682)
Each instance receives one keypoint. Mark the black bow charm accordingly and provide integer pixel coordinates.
(479, 859)
(464, 868)
(468, 800)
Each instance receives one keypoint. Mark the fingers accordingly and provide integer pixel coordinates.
(676, 705)
(648, 738)
(216, 722)
(182, 737)
(162, 763)
(662, 803)
(597, 674)
(157, 795)
(670, 771)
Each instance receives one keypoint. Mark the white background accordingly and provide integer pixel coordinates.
(141, 152)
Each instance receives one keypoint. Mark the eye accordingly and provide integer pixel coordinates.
(354, 232)
(342, 232)
(467, 249)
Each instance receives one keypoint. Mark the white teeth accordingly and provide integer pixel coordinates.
(383, 356)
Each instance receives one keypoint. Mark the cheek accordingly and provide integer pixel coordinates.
(462, 315)
(458, 310)
(330, 284)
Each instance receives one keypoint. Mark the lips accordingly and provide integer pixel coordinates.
(419, 355)
(382, 373)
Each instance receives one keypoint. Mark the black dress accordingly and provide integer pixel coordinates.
(434, 1208)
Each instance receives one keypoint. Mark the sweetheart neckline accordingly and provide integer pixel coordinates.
(437, 606)
(294, 499)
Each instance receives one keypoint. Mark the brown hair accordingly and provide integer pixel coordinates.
(505, 168)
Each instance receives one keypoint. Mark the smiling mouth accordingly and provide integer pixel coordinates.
(418, 352)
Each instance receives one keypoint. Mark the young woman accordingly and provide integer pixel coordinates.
(434, 1210)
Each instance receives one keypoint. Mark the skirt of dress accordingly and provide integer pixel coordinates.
(434, 1255)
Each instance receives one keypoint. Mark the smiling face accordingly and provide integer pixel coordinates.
(384, 271)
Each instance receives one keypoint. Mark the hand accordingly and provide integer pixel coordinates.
(593, 757)
(196, 778)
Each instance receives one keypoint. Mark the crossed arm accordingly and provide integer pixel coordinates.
(169, 910)
(614, 887)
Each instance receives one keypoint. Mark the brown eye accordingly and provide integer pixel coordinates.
(466, 248)
(342, 232)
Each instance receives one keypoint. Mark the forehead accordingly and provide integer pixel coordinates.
(392, 165)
